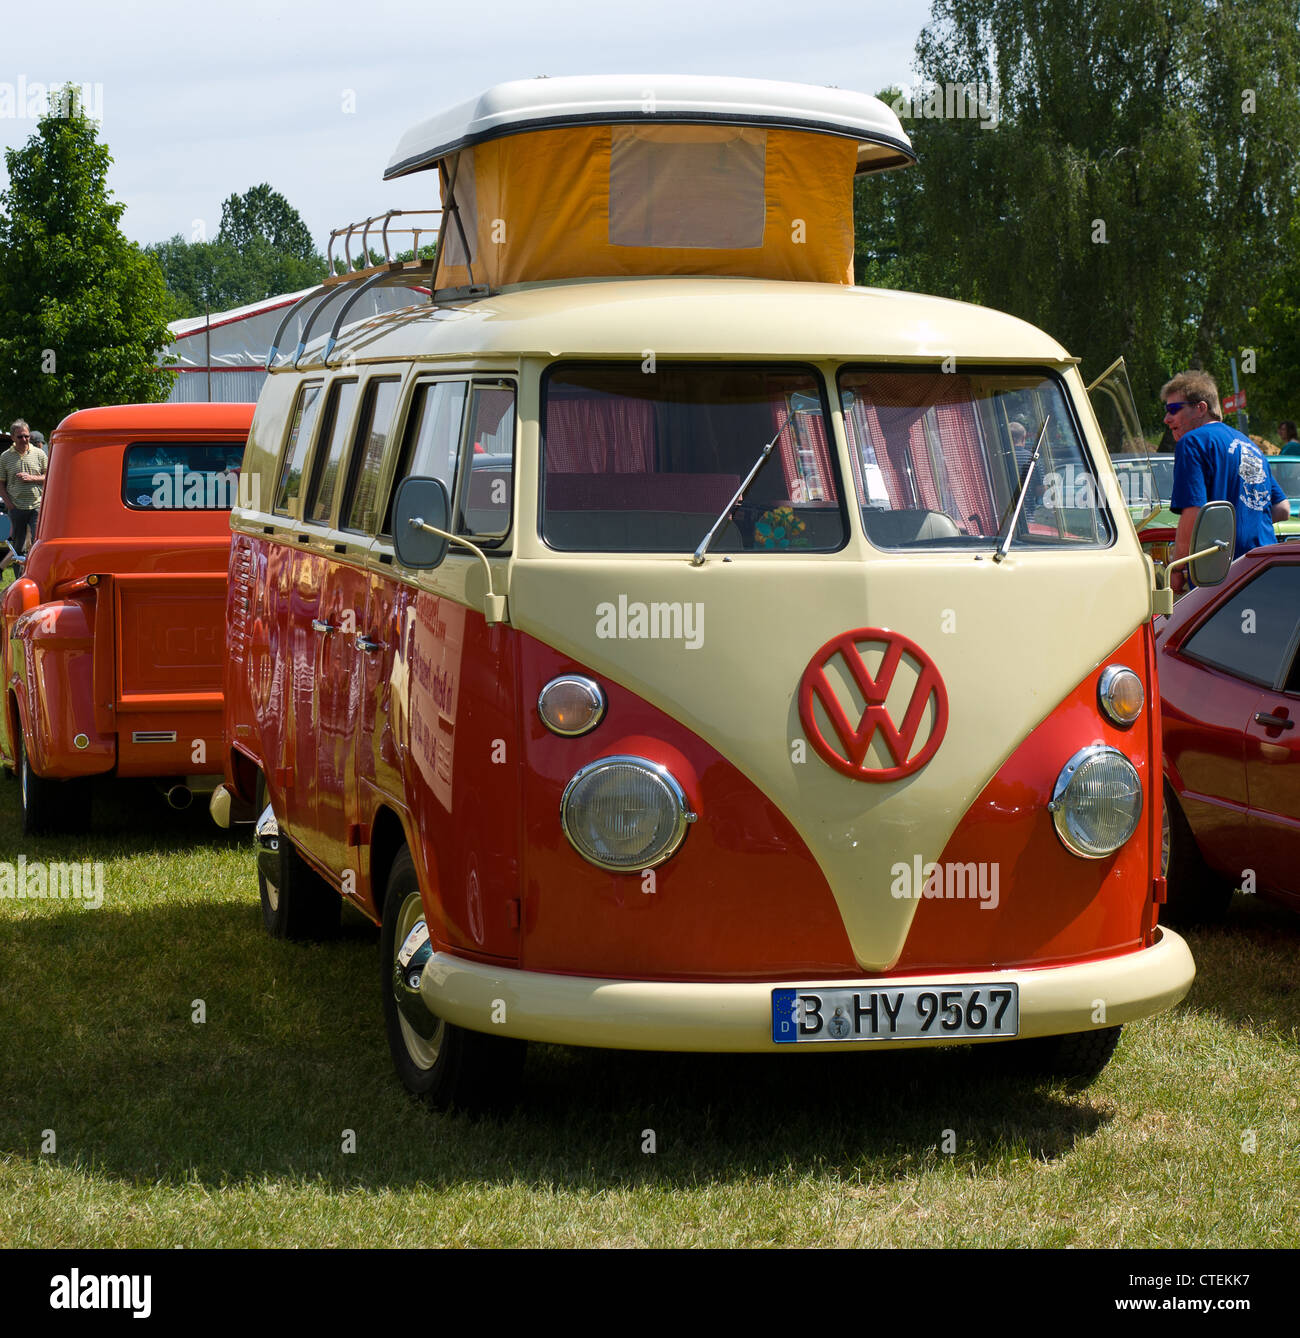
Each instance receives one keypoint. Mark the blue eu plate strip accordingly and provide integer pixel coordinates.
(783, 1024)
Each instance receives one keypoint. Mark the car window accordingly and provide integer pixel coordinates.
(637, 463)
(938, 459)
(295, 451)
(431, 445)
(1250, 634)
(485, 506)
(334, 431)
(182, 476)
(360, 505)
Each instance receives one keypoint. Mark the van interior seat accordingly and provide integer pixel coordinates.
(636, 531)
(894, 529)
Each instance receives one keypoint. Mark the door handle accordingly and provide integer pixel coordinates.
(365, 643)
(1274, 721)
(322, 627)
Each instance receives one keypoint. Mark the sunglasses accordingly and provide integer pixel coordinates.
(1174, 406)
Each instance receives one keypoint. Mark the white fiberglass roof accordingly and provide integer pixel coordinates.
(607, 99)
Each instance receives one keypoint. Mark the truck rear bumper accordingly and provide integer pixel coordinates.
(729, 1016)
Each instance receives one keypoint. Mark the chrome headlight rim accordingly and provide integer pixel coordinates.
(1105, 687)
(595, 692)
(1058, 809)
(685, 814)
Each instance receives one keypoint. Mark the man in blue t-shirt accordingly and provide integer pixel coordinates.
(1214, 462)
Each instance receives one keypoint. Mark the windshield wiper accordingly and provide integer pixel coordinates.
(1009, 525)
(720, 523)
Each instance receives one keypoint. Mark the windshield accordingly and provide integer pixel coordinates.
(645, 461)
(938, 459)
(1287, 474)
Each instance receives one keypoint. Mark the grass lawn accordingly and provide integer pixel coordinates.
(231, 1132)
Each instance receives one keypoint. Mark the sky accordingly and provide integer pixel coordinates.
(202, 101)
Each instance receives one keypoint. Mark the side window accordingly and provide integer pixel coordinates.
(485, 505)
(334, 432)
(295, 452)
(1251, 633)
(361, 501)
(432, 442)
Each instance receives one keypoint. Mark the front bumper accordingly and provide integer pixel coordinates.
(717, 1017)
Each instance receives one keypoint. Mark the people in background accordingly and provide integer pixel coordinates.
(1214, 462)
(22, 480)
(1287, 435)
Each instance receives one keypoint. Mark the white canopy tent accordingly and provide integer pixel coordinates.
(221, 358)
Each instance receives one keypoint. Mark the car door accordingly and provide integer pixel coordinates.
(1234, 773)
(1272, 744)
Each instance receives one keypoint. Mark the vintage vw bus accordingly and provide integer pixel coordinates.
(113, 636)
(676, 647)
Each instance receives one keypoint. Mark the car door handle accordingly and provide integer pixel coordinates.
(322, 627)
(1274, 721)
(365, 643)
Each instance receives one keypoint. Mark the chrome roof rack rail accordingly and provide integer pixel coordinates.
(362, 278)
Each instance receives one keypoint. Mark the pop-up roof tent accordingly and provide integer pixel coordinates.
(617, 175)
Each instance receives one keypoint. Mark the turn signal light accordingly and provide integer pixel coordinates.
(571, 705)
(1120, 694)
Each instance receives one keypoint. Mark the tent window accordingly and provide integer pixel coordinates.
(695, 187)
(458, 186)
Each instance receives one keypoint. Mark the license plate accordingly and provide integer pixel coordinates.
(908, 1012)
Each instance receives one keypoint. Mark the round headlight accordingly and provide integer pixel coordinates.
(571, 704)
(1119, 690)
(625, 813)
(1097, 802)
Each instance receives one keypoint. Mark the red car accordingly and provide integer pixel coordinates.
(1230, 697)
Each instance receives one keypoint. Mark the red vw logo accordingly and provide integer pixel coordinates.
(855, 740)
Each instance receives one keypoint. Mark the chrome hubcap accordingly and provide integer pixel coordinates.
(424, 1051)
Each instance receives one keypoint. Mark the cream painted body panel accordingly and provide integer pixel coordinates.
(673, 1015)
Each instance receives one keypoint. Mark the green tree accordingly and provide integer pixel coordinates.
(1133, 194)
(263, 213)
(220, 276)
(82, 310)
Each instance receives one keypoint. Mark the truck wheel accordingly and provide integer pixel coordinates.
(1078, 1057)
(297, 903)
(443, 1065)
(51, 807)
(1194, 893)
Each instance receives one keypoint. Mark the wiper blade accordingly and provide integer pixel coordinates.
(718, 525)
(1009, 525)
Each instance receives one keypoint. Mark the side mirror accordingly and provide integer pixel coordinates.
(1216, 529)
(421, 502)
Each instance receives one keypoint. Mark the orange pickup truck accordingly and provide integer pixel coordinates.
(114, 635)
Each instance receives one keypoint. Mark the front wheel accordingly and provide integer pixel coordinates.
(1194, 893)
(443, 1065)
(1078, 1058)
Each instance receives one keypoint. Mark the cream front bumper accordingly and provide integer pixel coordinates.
(691, 1015)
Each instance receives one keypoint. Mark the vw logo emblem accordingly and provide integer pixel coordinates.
(848, 743)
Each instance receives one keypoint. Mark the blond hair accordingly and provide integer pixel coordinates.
(1194, 386)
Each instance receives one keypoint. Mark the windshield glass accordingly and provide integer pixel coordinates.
(938, 459)
(644, 461)
(1287, 474)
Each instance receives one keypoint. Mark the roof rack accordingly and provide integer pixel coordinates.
(357, 282)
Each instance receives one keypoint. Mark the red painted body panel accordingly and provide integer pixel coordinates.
(440, 726)
(139, 648)
(1238, 781)
(1053, 907)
